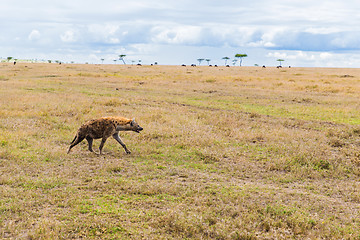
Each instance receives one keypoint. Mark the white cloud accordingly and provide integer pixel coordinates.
(297, 55)
(177, 35)
(277, 55)
(322, 30)
(103, 29)
(113, 40)
(325, 55)
(68, 36)
(34, 35)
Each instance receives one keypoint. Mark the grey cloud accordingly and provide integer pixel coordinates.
(317, 42)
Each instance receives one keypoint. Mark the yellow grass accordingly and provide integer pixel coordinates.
(226, 153)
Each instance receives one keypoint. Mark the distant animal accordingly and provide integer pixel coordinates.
(104, 128)
(263, 66)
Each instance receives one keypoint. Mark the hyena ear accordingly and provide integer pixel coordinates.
(132, 122)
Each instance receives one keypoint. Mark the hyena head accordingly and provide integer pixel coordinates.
(135, 126)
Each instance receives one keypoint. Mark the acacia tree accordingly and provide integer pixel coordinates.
(225, 58)
(200, 60)
(102, 60)
(280, 60)
(208, 61)
(240, 56)
(121, 58)
(9, 58)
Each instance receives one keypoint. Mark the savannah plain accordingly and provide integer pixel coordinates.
(226, 153)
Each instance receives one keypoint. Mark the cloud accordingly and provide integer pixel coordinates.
(316, 59)
(326, 55)
(188, 35)
(296, 55)
(307, 41)
(68, 36)
(303, 29)
(34, 35)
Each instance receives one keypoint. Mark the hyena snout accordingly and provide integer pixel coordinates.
(134, 126)
(138, 129)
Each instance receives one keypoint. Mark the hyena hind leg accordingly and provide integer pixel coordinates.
(75, 142)
(90, 142)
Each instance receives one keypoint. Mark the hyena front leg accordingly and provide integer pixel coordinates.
(103, 140)
(117, 138)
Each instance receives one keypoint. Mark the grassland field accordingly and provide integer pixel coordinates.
(226, 153)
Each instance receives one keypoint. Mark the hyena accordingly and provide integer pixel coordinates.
(104, 128)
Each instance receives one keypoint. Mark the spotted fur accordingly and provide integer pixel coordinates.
(104, 128)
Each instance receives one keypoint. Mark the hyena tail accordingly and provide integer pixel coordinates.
(74, 139)
(77, 139)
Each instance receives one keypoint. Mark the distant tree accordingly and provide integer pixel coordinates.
(121, 58)
(225, 58)
(208, 61)
(9, 58)
(280, 60)
(200, 60)
(115, 60)
(132, 61)
(102, 60)
(234, 62)
(240, 56)
(49, 61)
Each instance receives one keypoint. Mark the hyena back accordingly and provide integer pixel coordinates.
(104, 128)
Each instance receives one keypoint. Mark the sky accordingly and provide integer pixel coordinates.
(304, 33)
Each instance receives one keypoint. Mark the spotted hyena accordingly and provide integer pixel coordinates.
(104, 128)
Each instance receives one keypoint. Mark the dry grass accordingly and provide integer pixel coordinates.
(226, 153)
